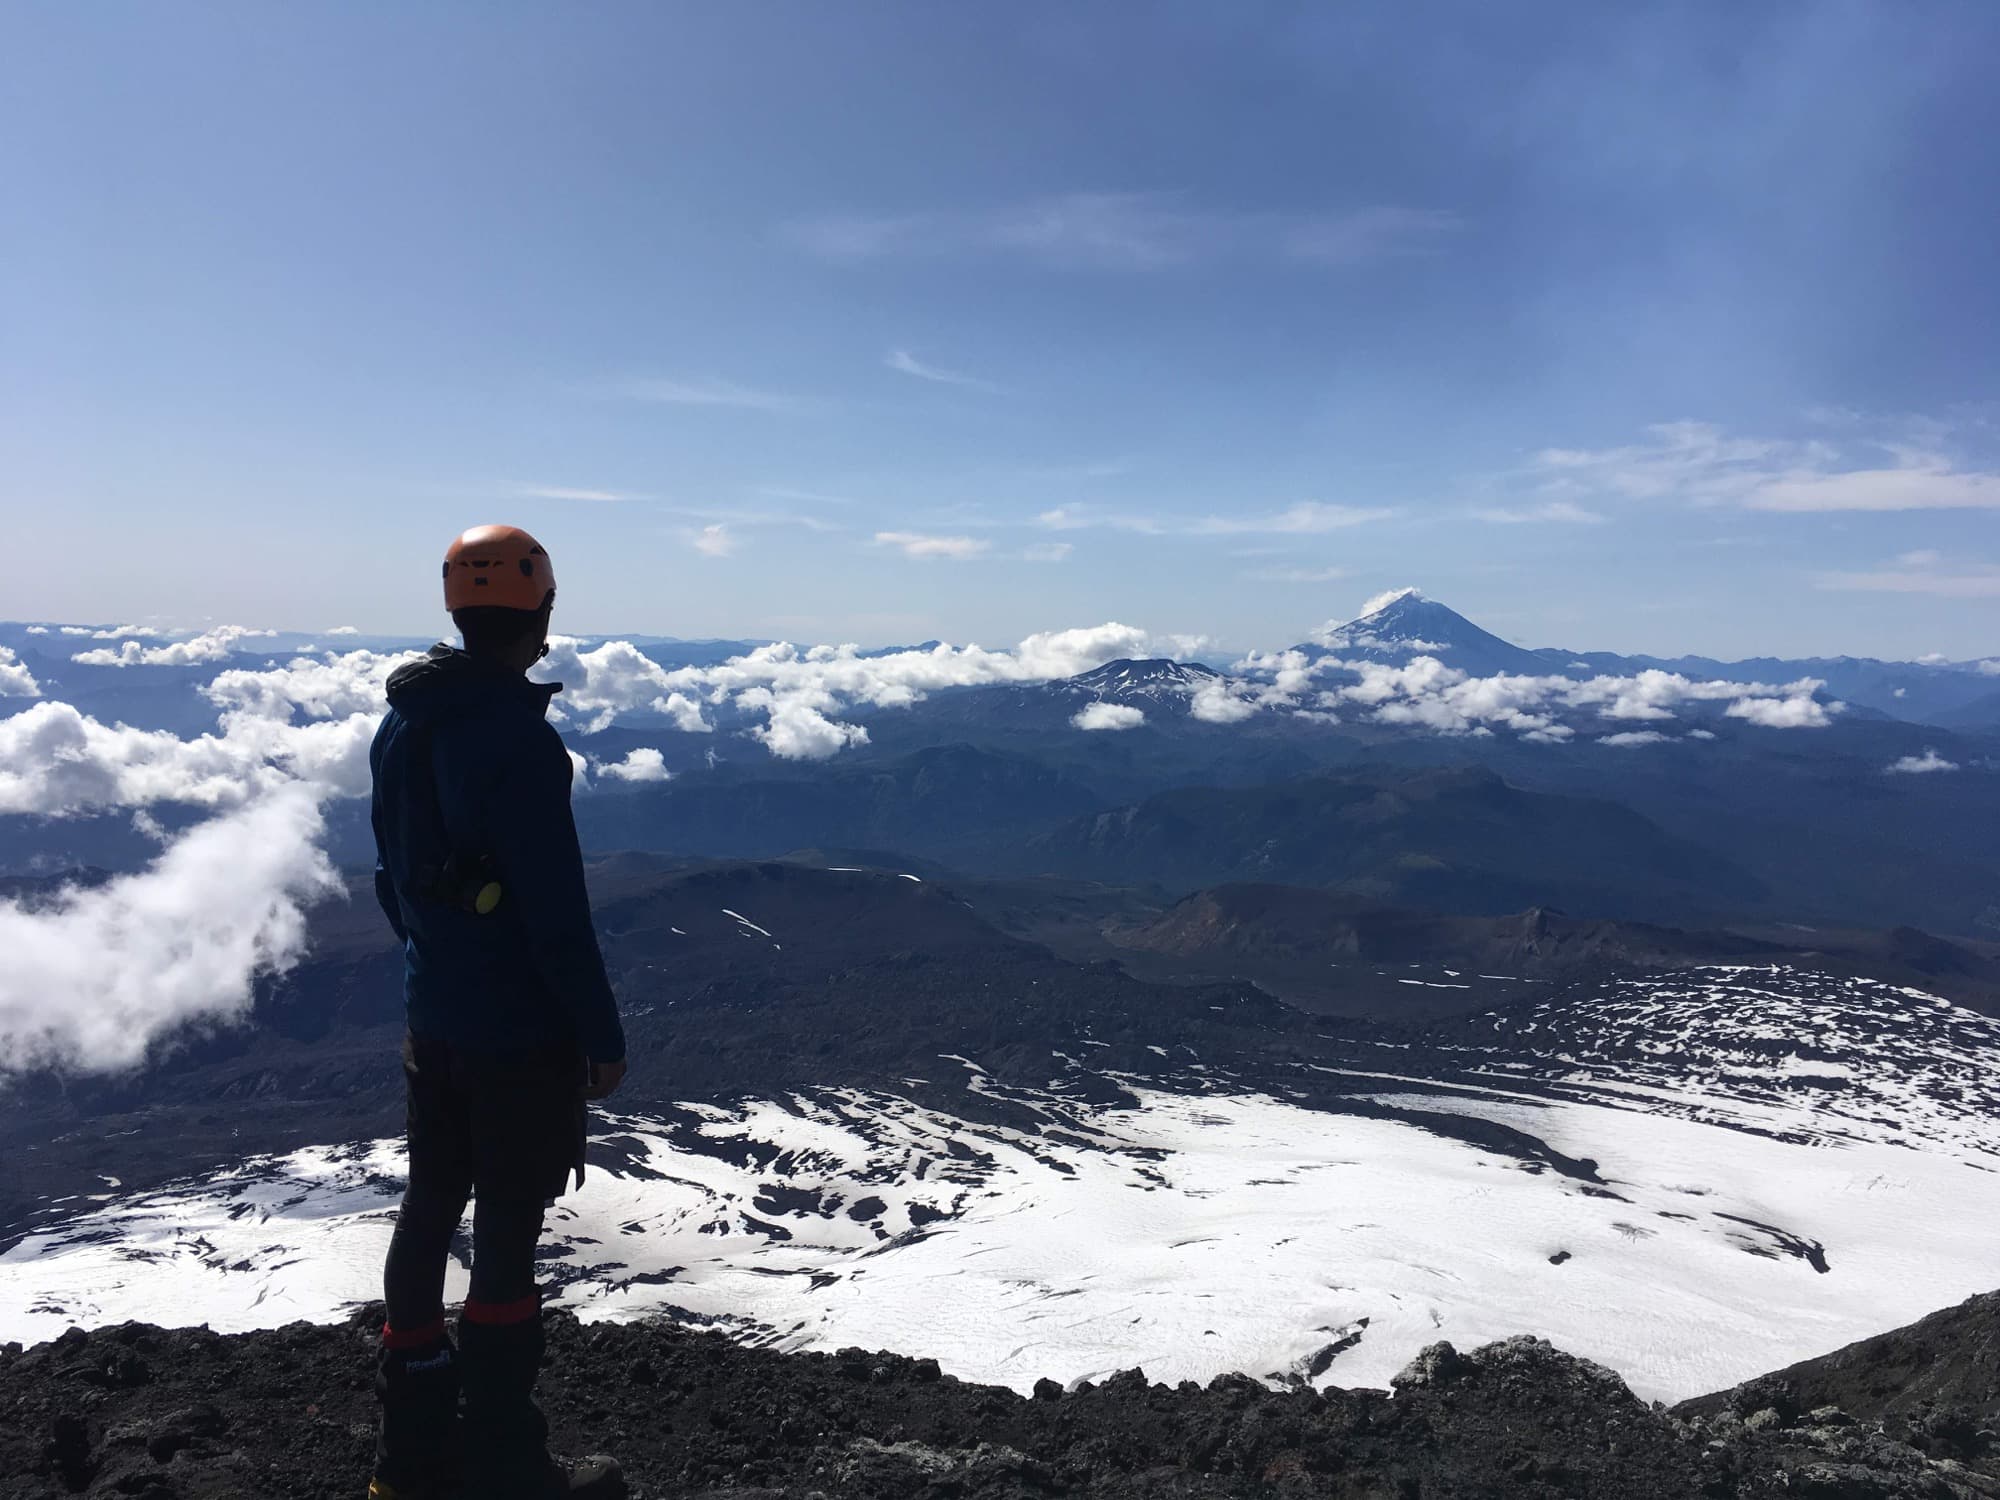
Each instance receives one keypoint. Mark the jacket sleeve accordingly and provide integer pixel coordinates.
(385, 893)
(541, 875)
(385, 886)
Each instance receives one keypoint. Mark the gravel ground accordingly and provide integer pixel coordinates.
(287, 1414)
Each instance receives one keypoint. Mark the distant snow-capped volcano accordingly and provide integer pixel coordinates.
(1144, 684)
(1407, 624)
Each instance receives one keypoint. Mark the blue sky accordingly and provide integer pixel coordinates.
(1642, 328)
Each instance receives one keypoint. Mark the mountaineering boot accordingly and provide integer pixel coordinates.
(416, 1382)
(506, 1435)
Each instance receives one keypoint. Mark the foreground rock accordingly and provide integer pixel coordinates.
(1947, 1362)
(287, 1415)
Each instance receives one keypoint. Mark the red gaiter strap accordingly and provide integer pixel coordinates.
(502, 1312)
(413, 1338)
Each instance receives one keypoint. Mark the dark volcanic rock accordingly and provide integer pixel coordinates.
(1950, 1359)
(287, 1415)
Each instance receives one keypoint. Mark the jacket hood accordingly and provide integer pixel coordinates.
(448, 681)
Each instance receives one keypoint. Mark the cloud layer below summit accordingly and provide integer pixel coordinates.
(102, 974)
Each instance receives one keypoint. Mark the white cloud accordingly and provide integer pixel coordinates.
(1919, 765)
(213, 646)
(1800, 711)
(1286, 674)
(116, 632)
(1634, 737)
(1079, 517)
(798, 730)
(1109, 716)
(713, 541)
(1561, 511)
(1371, 234)
(1383, 600)
(1920, 573)
(1336, 637)
(1100, 231)
(811, 687)
(96, 977)
(685, 712)
(334, 685)
(1934, 485)
(642, 764)
(735, 516)
(1699, 463)
(108, 633)
(291, 737)
(1131, 232)
(1701, 734)
(1424, 693)
(93, 979)
(1221, 702)
(1065, 653)
(1307, 517)
(104, 633)
(344, 630)
(809, 497)
(705, 392)
(56, 761)
(1047, 552)
(617, 678)
(565, 492)
(16, 681)
(38, 630)
(1990, 667)
(918, 544)
(906, 363)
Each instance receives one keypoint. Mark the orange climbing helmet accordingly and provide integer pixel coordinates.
(500, 567)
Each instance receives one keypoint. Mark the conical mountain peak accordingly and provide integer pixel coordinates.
(1404, 624)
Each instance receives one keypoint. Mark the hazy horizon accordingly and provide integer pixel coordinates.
(69, 637)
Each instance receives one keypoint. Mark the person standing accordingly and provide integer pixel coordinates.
(512, 1028)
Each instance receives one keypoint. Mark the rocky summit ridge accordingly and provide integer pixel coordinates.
(287, 1414)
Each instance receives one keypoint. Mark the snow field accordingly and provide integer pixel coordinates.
(1193, 1235)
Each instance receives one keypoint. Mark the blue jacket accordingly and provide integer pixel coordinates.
(466, 763)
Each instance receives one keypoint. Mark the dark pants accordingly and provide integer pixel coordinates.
(504, 1130)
